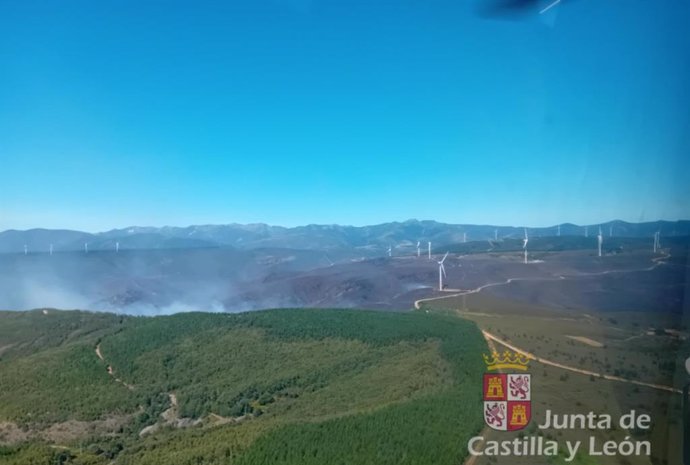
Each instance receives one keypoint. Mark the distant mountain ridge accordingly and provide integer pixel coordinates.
(311, 237)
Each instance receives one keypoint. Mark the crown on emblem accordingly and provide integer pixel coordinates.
(508, 359)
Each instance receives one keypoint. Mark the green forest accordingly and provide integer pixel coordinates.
(289, 386)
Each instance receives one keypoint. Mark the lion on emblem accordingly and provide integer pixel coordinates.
(519, 386)
(495, 414)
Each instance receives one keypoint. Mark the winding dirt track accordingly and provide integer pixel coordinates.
(492, 340)
(658, 261)
(110, 369)
(98, 353)
(544, 361)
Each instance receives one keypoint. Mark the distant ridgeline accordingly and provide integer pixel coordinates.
(281, 387)
(565, 243)
(313, 237)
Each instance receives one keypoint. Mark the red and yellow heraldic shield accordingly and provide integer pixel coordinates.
(495, 386)
(507, 401)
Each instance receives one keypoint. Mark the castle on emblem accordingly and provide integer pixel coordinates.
(519, 416)
(495, 387)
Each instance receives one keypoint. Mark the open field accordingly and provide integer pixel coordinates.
(631, 345)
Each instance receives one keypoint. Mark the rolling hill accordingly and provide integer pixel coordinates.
(164, 281)
(281, 387)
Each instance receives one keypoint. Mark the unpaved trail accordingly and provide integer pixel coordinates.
(491, 339)
(98, 353)
(4, 348)
(111, 372)
(657, 261)
(586, 341)
(578, 370)
(171, 415)
(476, 290)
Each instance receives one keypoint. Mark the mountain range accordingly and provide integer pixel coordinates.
(367, 239)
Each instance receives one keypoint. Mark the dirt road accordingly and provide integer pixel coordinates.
(578, 370)
(98, 353)
(657, 261)
(111, 372)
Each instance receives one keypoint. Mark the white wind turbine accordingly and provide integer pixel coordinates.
(26, 249)
(117, 247)
(600, 240)
(441, 272)
(658, 239)
(419, 251)
(495, 234)
(390, 250)
(429, 244)
(51, 249)
(657, 245)
(86, 247)
(464, 237)
(524, 244)
(559, 230)
(586, 231)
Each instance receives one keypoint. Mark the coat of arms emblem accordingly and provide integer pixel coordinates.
(507, 396)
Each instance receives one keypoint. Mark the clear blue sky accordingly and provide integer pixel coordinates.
(353, 112)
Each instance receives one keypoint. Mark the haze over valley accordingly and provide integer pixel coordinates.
(150, 271)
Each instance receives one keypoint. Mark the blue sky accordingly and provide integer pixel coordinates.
(359, 112)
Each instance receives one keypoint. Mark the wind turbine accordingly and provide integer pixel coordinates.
(390, 250)
(559, 230)
(441, 272)
(51, 249)
(586, 231)
(495, 234)
(464, 237)
(429, 243)
(658, 239)
(86, 247)
(657, 245)
(524, 244)
(419, 251)
(600, 240)
(26, 249)
(117, 247)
